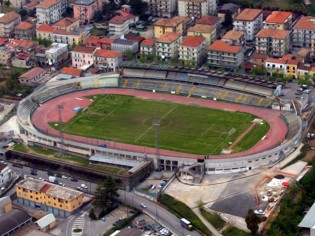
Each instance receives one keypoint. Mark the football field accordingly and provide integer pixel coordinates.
(183, 128)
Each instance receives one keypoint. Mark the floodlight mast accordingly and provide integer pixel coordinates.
(61, 134)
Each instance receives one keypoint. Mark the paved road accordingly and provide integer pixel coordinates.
(161, 215)
(164, 217)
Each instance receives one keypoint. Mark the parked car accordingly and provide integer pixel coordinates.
(73, 179)
(79, 188)
(84, 186)
(64, 177)
(143, 205)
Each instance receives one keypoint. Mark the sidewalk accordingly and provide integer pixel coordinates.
(213, 230)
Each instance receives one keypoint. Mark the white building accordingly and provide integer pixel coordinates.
(196, 8)
(57, 54)
(147, 47)
(192, 51)
(5, 174)
(49, 11)
(107, 60)
(119, 25)
(250, 21)
(167, 45)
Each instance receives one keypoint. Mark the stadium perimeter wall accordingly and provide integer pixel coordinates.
(212, 166)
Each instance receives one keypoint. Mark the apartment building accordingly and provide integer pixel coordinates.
(125, 45)
(82, 56)
(250, 21)
(221, 54)
(162, 8)
(85, 10)
(49, 197)
(192, 51)
(7, 24)
(273, 42)
(67, 23)
(234, 38)
(25, 30)
(177, 24)
(210, 20)
(119, 25)
(287, 65)
(49, 11)
(107, 60)
(281, 20)
(303, 33)
(73, 38)
(209, 32)
(167, 45)
(101, 42)
(196, 8)
(6, 174)
(5, 56)
(147, 47)
(45, 32)
(57, 54)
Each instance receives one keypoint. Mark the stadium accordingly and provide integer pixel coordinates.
(55, 103)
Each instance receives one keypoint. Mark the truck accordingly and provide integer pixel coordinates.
(186, 224)
(53, 179)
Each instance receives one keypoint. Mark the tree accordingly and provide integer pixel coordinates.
(252, 221)
(105, 193)
(23, 12)
(228, 20)
(92, 214)
(7, 3)
(139, 8)
(109, 8)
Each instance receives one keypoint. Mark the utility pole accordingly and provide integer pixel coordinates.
(60, 108)
(156, 123)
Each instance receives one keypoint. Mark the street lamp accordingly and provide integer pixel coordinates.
(156, 123)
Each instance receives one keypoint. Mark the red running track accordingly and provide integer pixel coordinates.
(47, 112)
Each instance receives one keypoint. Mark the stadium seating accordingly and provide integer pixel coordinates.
(292, 123)
(47, 94)
(155, 74)
(25, 110)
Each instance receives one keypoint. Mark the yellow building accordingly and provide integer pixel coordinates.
(281, 20)
(207, 31)
(60, 201)
(45, 32)
(5, 205)
(291, 68)
(165, 25)
(67, 23)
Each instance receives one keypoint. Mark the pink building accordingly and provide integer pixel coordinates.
(85, 10)
(82, 56)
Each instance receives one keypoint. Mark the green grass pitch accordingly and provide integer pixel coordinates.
(184, 128)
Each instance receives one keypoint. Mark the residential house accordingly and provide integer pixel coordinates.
(5, 56)
(258, 60)
(31, 6)
(82, 56)
(304, 54)
(71, 71)
(24, 30)
(221, 54)
(119, 25)
(49, 197)
(107, 60)
(134, 37)
(210, 20)
(167, 45)
(273, 42)
(32, 77)
(234, 38)
(147, 47)
(303, 70)
(165, 25)
(49, 11)
(192, 51)
(196, 8)
(125, 45)
(45, 32)
(73, 38)
(22, 60)
(85, 10)
(132, 18)
(281, 20)
(101, 42)
(304, 32)
(7, 24)
(249, 21)
(291, 68)
(229, 8)
(207, 31)
(57, 54)
(5, 205)
(6, 174)
(162, 8)
(275, 65)
(67, 23)
(24, 53)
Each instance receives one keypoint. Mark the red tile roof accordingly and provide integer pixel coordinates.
(65, 22)
(278, 17)
(31, 4)
(133, 37)
(165, 22)
(47, 3)
(3, 41)
(45, 188)
(273, 33)
(169, 37)
(71, 71)
(24, 26)
(81, 49)
(248, 14)
(96, 39)
(233, 35)
(21, 43)
(208, 20)
(46, 28)
(305, 23)
(276, 60)
(32, 73)
(9, 17)
(107, 53)
(199, 28)
(118, 20)
(62, 32)
(192, 41)
(125, 14)
(148, 42)
(259, 56)
(221, 46)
